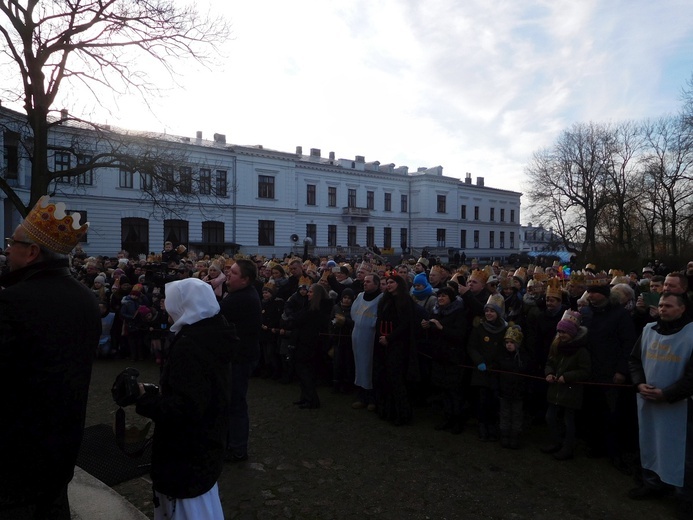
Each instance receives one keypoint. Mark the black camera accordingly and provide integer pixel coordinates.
(126, 389)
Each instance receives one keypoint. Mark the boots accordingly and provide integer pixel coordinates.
(457, 425)
(565, 453)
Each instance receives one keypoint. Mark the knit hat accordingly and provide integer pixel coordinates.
(570, 323)
(514, 334)
(331, 263)
(100, 279)
(348, 292)
(136, 289)
(143, 310)
(496, 302)
(421, 279)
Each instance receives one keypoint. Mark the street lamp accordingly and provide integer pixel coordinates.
(306, 242)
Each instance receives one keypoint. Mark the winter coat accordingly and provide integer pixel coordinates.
(484, 346)
(447, 344)
(610, 339)
(49, 332)
(572, 361)
(243, 309)
(509, 381)
(192, 412)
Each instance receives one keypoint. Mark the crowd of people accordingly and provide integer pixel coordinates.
(495, 346)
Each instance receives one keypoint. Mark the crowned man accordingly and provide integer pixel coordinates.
(49, 331)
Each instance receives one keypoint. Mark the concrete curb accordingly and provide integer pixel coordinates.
(91, 499)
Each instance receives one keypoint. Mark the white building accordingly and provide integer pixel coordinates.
(225, 197)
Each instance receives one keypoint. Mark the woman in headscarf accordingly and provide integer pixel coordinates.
(191, 411)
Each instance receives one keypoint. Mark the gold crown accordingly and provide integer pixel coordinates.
(481, 276)
(49, 226)
(305, 280)
(572, 316)
(577, 277)
(553, 288)
(514, 334)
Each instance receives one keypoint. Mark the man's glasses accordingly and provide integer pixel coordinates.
(11, 241)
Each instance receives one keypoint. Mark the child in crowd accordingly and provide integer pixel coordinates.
(567, 365)
(511, 362)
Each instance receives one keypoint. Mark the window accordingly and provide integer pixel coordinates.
(370, 236)
(388, 202)
(491, 239)
(265, 189)
(213, 233)
(332, 197)
(312, 232)
(221, 185)
(82, 220)
(476, 240)
(492, 214)
(125, 179)
(351, 235)
(134, 235)
(476, 212)
(370, 200)
(502, 215)
(463, 212)
(403, 237)
(168, 180)
(512, 215)
(512, 240)
(404, 204)
(502, 239)
(146, 182)
(441, 204)
(463, 238)
(387, 238)
(86, 178)
(185, 179)
(10, 157)
(62, 162)
(205, 181)
(440, 237)
(351, 200)
(332, 235)
(176, 231)
(310, 194)
(265, 234)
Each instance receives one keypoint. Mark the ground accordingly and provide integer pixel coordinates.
(339, 463)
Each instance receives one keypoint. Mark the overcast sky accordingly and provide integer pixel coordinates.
(474, 86)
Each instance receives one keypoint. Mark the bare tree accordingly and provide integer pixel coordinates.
(97, 44)
(570, 184)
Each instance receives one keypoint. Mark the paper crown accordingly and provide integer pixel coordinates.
(305, 280)
(480, 276)
(572, 316)
(521, 273)
(49, 226)
(577, 277)
(497, 303)
(514, 334)
(553, 288)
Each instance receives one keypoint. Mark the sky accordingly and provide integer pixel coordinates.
(472, 85)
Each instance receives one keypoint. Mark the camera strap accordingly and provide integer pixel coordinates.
(120, 435)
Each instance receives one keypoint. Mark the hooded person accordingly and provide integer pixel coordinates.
(191, 412)
(422, 292)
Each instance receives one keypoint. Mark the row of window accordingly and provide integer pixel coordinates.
(491, 216)
(266, 236)
(167, 180)
(312, 198)
(135, 234)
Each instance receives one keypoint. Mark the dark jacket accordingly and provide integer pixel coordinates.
(610, 339)
(49, 331)
(192, 412)
(510, 381)
(572, 361)
(243, 309)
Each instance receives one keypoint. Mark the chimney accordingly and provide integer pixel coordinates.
(331, 156)
(360, 159)
(315, 152)
(468, 178)
(63, 114)
(479, 181)
(299, 150)
(199, 134)
(220, 138)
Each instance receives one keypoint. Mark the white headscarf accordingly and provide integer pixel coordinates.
(189, 301)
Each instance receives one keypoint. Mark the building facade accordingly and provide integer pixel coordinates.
(217, 197)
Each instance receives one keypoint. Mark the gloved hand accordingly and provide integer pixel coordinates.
(481, 367)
